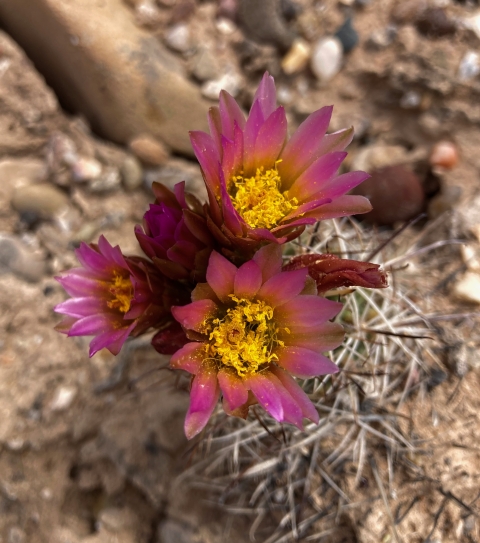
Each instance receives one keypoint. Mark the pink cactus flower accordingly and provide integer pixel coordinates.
(113, 297)
(264, 187)
(251, 329)
(175, 234)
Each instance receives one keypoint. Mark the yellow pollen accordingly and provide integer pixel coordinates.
(122, 293)
(243, 339)
(259, 200)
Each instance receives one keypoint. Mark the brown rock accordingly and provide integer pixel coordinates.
(103, 65)
(149, 150)
(396, 194)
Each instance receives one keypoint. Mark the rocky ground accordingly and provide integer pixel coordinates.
(96, 101)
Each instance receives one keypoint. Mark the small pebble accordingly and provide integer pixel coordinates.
(178, 38)
(63, 398)
(205, 65)
(326, 58)
(435, 23)
(444, 154)
(468, 288)
(408, 11)
(395, 193)
(471, 256)
(41, 201)
(348, 36)
(297, 57)
(108, 181)
(410, 100)
(473, 24)
(86, 169)
(147, 14)
(225, 26)
(61, 151)
(16, 535)
(230, 82)
(132, 173)
(469, 66)
(382, 37)
(149, 150)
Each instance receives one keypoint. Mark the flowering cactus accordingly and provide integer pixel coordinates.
(113, 297)
(263, 187)
(253, 327)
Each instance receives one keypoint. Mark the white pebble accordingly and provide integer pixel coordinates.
(469, 66)
(326, 58)
(229, 82)
(178, 38)
(63, 398)
(468, 287)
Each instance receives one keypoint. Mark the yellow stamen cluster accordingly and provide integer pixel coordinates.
(244, 338)
(122, 293)
(258, 199)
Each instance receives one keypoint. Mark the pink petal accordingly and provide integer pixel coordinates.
(215, 126)
(192, 316)
(340, 185)
(282, 287)
(77, 282)
(297, 393)
(230, 113)
(81, 307)
(266, 95)
(270, 140)
(315, 177)
(221, 276)
(291, 411)
(342, 207)
(203, 399)
(269, 258)
(252, 126)
(337, 141)
(301, 149)
(248, 280)
(98, 266)
(112, 340)
(93, 325)
(304, 362)
(205, 150)
(308, 206)
(321, 338)
(233, 221)
(266, 394)
(189, 358)
(306, 311)
(234, 391)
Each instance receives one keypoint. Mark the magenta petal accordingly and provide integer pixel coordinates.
(291, 411)
(248, 280)
(97, 264)
(269, 258)
(304, 363)
(252, 126)
(230, 113)
(77, 283)
(215, 126)
(297, 393)
(342, 207)
(234, 391)
(189, 357)
(192, 316)
(203, 399)
(205, 150)
(270, 140)
(301, 149)
(94, 324)
(81, 307)
(315, 177)
(340, 185)
(307, 206)
(337, 141)
(266, 95)
(221, 276)
(319, 338)
(112, 340)
(266, 393)
(306, 310)
(111, 253)
(281, 288)
(232, 219)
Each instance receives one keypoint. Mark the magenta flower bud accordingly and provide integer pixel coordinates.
(113, 297)
(264, 187)
(175, 235)
(331, 272)
(253, 329)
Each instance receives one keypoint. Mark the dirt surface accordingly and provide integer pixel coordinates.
(92, 450)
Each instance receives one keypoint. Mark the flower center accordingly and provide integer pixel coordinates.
(259, 200)
(244, 338)
(121, 290)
